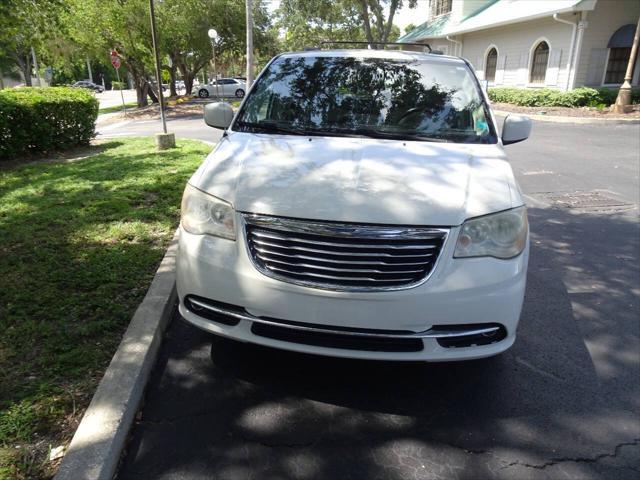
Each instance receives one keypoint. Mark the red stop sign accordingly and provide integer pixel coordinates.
(115, 59)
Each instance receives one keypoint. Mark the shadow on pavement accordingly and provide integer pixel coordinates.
(563, 402)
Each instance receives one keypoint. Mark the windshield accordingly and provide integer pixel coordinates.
(438, 100)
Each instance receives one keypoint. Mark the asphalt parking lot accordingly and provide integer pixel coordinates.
(564, 402)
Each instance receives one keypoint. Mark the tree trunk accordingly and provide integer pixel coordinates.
(377, 11)
(188, 82)
(392, 11)
(139, 81)
(189, 75)
(367, 23)
(141, 94)
(152, 93)
(24, 63)
(172, 81)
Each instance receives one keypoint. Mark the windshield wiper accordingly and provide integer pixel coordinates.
(375, 133)
(272, 127)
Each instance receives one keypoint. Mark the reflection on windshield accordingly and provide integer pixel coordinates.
(377, 97)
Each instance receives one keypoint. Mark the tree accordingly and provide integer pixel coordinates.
(409, 28)
(100, 26)
(379, 29)
(307, 23)
(25, 24)
(183, 28)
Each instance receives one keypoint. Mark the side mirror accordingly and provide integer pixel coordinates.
(218, 114)
(515, 128)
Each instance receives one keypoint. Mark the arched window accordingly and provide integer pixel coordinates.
(490, 65)
(539, 63)
(619, 52)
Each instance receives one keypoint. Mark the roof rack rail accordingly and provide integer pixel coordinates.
(396, 44)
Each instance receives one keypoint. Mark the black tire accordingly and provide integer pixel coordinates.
(203, 93)
(239, 93)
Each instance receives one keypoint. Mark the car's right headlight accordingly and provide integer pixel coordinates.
(499, 235)
(205, 214)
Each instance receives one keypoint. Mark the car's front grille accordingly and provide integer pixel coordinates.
(342, 256)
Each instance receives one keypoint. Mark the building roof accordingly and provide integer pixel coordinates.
(495, 14)
(431, 29)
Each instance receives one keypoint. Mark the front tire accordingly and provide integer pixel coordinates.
(203, 93)
(239, 93)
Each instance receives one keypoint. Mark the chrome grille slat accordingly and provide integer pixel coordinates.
(334, 269)
(265, 252)
(341, 244)
(354, 254)
(352, 257)
(332, 277)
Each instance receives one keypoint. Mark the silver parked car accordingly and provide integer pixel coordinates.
(225, 87)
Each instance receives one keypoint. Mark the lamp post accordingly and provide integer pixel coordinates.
(623, 101)
(213, 36)
(163, 140)
(249, 7)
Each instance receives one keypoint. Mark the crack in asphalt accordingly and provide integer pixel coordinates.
(556, 461)
(505, 463)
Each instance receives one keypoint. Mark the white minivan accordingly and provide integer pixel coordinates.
(359, 205)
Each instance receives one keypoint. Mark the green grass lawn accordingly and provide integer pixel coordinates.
(80, 241)
(117, 108)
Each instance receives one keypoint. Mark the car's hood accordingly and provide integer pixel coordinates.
(359, 179)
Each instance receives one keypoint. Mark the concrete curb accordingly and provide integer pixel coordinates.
(94, 452)
(579, 120)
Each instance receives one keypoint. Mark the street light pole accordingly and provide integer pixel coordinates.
(213, 36)
(249, 43)
(35, 66)
(164, 140)
(89, 70)
(623, 101)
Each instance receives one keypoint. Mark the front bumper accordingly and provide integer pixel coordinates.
(466, 292)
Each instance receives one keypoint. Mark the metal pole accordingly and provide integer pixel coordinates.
(124, 110)
(623, 101)
(157, 57)
(35, 66)
(89, 69)
(215, 69)
(249, 43)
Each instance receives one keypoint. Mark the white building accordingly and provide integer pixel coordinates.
(536, 43)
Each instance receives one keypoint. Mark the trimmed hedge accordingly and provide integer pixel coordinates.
(45, 119)
(548, 97)
(115, 85)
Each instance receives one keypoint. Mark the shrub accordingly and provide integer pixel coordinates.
(609, 95)
(547, 97)
(45, 119)
(115, 85)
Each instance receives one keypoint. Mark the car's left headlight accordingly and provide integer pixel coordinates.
(205, 214)
(499, 235)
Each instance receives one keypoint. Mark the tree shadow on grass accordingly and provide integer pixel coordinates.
(80, 243)
(567, 390)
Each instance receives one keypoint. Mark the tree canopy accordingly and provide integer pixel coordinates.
(66, 33)
(26, 24)
(306, 23)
